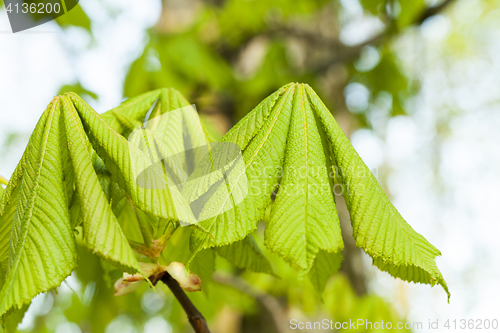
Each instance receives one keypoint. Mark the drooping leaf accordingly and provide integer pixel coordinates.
(325, 265)
(378, 227)
(102, 232)
(262, 137)
(292, 131)
(42, 247)
(9, 199)
(119, 157)
(282, 144)
(303, 217)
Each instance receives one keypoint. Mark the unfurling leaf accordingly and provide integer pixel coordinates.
(291, 143)
(186, 279)
(126, 287)
(147, 270)
(378, 228)
(37, 243)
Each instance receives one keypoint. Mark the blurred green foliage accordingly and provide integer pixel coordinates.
(226, 56)
(232, 54)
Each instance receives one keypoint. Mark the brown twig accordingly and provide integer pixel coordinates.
(431, 11)
(195, 317)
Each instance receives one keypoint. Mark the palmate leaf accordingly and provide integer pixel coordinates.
(293, 131)
(37, 243)
(280, 138)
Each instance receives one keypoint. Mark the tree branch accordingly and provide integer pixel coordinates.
(195, 317)
(431, 11)
(346, 53)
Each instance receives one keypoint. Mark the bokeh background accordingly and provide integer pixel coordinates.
(414, 84)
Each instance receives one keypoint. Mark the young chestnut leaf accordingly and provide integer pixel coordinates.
(186, 279)
(292, 143)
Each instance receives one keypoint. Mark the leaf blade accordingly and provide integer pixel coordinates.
(102, 232)
(42, 252)
(269, 119)
(116, 153)
(303, 217)
(378, 227)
